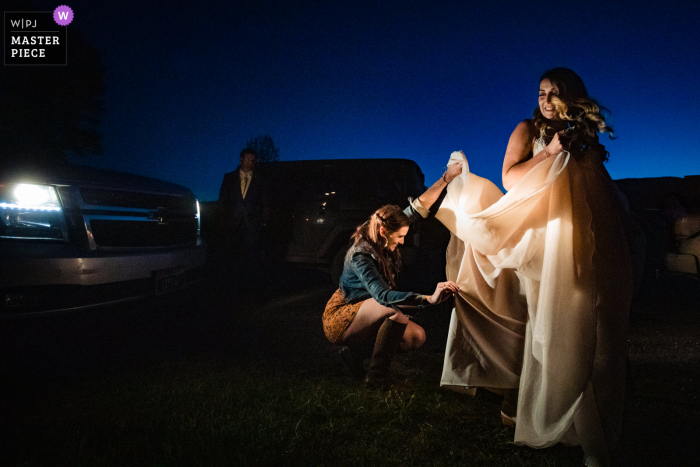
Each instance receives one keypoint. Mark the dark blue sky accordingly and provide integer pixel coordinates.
(190, 82)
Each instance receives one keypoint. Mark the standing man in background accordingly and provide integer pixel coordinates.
(241, 202)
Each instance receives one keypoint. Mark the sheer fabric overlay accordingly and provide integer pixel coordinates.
(545, 286)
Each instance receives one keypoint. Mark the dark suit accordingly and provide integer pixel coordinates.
(242, 217)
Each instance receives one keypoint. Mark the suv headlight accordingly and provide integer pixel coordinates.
(199, 222)
(199, 216)
(32, 212)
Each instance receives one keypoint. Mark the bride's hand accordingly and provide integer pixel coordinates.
(554, 147)
(452, 171)
(443, 291)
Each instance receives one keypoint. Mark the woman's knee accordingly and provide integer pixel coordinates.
(414, 337)
(419, 336)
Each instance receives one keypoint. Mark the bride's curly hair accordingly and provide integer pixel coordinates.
(585, 116)
(392, 218)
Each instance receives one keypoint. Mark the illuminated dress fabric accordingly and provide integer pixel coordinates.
(545, 287)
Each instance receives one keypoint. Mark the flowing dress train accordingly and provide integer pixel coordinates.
(545, 288)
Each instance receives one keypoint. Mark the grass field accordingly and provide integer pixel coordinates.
(195, 414)
(209, 384)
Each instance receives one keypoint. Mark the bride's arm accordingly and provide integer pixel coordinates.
(518, 161)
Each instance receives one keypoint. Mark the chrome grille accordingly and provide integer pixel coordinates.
(131, 219)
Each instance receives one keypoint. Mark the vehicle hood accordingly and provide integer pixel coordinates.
(74, 174)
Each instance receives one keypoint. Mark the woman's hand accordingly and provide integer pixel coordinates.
(554, 147)
(443, 291)
(452, 171)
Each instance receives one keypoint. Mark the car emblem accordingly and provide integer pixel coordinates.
(160, 215)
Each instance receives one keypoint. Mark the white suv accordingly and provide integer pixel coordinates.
(74, 237)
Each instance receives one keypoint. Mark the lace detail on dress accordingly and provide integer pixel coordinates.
(538, 145)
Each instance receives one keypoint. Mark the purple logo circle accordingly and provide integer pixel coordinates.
(63, 15)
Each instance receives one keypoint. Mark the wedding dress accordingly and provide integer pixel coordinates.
(545, 288)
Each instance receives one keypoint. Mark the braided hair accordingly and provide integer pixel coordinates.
(392, 218)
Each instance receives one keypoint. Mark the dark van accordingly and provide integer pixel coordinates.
(314, 206)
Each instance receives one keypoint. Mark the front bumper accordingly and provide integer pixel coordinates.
(42, 278)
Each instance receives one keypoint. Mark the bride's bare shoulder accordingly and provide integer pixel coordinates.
(525, 131)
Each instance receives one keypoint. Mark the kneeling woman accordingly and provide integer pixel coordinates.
(366, 307)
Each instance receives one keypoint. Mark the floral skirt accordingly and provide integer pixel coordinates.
(337, 316)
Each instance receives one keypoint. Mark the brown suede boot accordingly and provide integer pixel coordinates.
(388, 340)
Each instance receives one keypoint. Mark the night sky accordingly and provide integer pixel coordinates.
(190, 82)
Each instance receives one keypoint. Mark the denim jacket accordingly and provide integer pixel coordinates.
(361, 278)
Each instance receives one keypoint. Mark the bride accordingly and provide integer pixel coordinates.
(545, 278)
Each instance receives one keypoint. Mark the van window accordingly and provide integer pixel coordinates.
(342, 185)
(373, 187)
